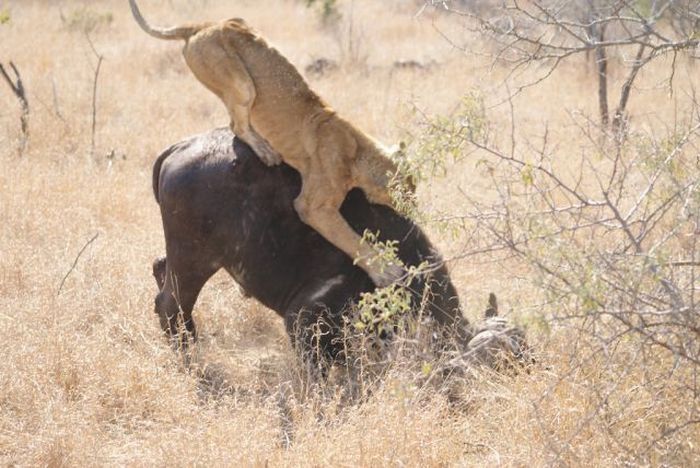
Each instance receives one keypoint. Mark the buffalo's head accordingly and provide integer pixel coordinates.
(497, 343)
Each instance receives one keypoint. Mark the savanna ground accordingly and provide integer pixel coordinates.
(87, 378)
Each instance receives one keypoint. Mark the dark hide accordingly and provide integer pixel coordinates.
(223, 208)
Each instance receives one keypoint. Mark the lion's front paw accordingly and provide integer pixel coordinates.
(386, 275)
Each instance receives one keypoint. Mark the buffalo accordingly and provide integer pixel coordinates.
(223, 208)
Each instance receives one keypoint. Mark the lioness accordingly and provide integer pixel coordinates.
(273, 109)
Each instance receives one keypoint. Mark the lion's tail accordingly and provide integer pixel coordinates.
(177, 32)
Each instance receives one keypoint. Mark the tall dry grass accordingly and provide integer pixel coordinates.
(86, 378)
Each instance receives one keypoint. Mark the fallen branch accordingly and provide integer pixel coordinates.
(75, 262)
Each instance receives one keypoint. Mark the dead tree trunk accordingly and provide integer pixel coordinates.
(639, 62)
(601, 59)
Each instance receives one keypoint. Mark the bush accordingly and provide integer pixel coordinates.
(611, 242)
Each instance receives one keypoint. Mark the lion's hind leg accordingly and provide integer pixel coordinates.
(215, 62)
(247, 133)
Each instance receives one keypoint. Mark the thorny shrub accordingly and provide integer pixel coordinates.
(610, 238)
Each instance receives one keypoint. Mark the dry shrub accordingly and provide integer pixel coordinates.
(609, 239)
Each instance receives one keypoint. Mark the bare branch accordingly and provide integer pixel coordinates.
(99, 58)
(75, 261)
(17, 88)
(546, 32)
(639, 62)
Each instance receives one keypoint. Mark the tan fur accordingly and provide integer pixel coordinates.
(273, 109)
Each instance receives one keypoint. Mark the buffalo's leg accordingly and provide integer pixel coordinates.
(313, 337)
(159, 271)
(179, 288)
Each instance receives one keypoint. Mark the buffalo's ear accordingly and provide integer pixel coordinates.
(492, 309)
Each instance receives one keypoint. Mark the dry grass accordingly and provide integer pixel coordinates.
(88, 380)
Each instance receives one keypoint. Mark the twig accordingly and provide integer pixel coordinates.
(682, 264)
(94, 92)
(56, 106)
(75, 262)
(18, 89)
